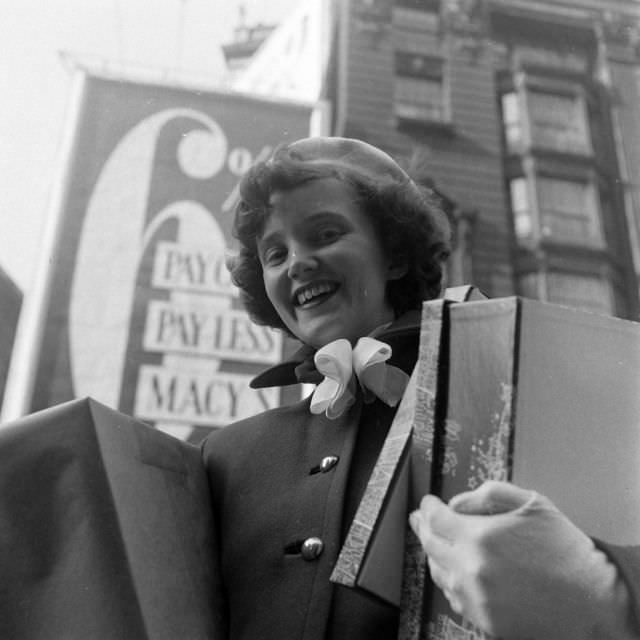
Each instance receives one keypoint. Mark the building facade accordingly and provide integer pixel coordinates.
(526, 116)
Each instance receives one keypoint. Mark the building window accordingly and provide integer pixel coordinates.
(585, 292)
(590, 293)
(419, 88)
(558, 122)
(546, 119)
(569, 212)
(556, 209)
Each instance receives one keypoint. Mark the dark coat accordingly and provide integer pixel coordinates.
(268, 502)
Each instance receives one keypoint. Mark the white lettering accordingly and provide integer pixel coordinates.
(214, 399)
(191, 268)
(239, 160)
(199, 327)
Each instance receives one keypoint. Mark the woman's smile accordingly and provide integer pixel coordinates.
(314, 294)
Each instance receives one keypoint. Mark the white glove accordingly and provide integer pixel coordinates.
(512, 564)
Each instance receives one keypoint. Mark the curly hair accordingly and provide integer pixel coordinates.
(407, 220)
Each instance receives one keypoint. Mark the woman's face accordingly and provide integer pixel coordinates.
(324, 270)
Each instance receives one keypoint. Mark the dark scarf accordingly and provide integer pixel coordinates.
(300, 368)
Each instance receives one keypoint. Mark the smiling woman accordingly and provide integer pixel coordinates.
(337, 244)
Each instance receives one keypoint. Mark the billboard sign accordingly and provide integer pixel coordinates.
(141, 313)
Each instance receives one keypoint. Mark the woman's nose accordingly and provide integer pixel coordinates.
(300, 261)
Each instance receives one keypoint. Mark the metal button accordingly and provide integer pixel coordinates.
(328, 462)
(312, 548)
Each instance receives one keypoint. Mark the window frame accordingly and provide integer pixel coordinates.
(434, 71)
(540, 285)
(594, 240)
(529, 183)
(523, 87)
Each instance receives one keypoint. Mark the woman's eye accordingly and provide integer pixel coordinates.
(328, 234)
(273, 255)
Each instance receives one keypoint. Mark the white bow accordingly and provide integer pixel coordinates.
(341, 365)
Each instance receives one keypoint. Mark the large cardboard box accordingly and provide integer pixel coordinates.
(105, 530)
(539, 394)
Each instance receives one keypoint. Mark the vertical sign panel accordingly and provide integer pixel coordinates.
(142, 315)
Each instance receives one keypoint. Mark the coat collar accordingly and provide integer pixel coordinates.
(407, 325)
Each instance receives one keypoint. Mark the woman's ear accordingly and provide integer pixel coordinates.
(398, 267)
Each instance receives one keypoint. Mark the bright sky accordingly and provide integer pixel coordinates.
(35, 82)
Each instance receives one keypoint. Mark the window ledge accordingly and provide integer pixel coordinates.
(564, 247)
(407, 123)
(585, 247)
(585, 155)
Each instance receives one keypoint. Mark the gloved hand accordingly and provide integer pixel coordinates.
(510, 562)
